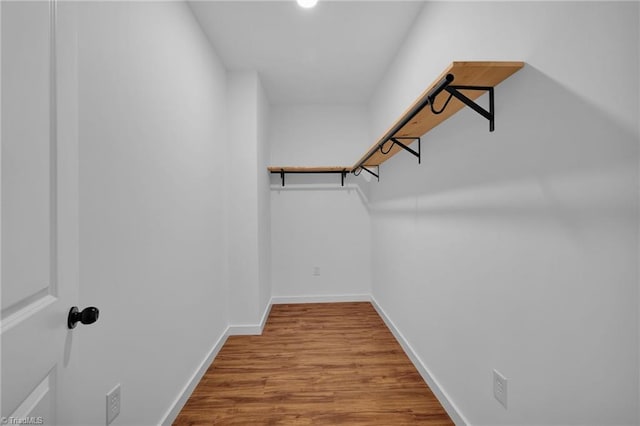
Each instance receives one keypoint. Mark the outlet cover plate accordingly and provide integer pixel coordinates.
(113, 404)
(500, 388)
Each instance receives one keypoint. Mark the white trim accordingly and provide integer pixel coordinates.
(27, 311)
(169, 417)
(265, 315)
(54, 189)
(256, 329)
(244, 330)
(231, 330)
(329, 298)
(251, 329)
(451, 409)
(31, 402)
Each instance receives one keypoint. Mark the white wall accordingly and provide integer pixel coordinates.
(517, 250)
(264, 199)
(242, 198)
(249, 278)
(153, 176)
(314, 221)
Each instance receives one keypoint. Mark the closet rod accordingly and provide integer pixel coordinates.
(429, 99)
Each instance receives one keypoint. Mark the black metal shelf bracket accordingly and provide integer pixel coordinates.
(445, 84)
(455, 92)
(282, 173)
(396, 141)
(428, 100)
(359, 170)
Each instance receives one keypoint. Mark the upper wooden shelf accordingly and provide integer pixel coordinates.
(478, 74)
(458, 86)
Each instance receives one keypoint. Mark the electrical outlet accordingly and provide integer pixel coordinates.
(316, 271)
(500, 388)
(113, 404)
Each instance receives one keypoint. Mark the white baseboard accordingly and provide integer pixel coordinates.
(435, 387)
(232, 330)
(251, 329)
(244, 330)
(256, 329)
(280, 300)
(173, 411)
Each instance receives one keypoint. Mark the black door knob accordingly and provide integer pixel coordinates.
(87, 316)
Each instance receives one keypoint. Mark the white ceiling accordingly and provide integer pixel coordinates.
(334, 53)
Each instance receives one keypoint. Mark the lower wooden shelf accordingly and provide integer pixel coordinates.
(309, 169)
(283, 170)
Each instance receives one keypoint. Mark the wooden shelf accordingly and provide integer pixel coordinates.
(283, 170)
(484, 74)
(458, 86)
(309, 169)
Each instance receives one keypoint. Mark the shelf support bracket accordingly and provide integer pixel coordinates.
(489, 115)
(377, 175)
(396, 141)
(282, 173)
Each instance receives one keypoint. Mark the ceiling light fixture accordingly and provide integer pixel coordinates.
(307, 4)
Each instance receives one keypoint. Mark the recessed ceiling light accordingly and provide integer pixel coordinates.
(307, 4)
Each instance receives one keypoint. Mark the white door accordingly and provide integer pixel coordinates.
(39, 231)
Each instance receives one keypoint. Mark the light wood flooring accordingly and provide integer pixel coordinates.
(314, 364)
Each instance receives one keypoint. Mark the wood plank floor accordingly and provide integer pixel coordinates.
(314, 364)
